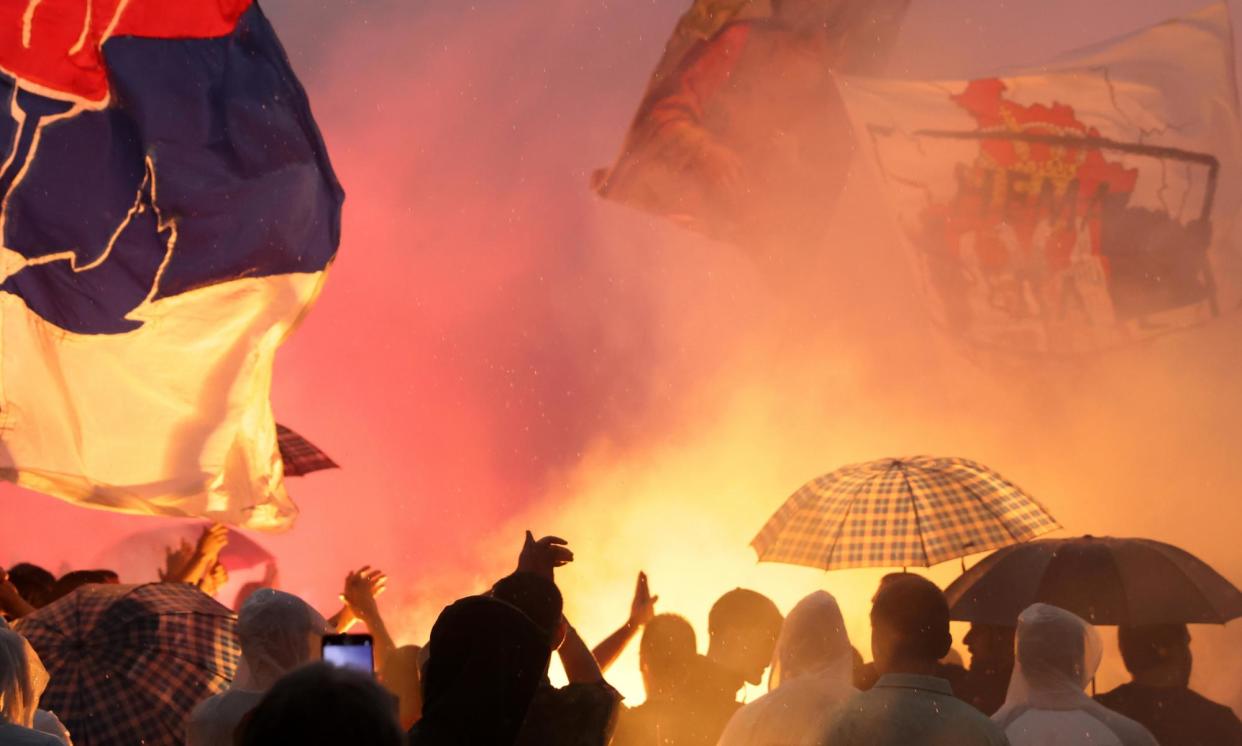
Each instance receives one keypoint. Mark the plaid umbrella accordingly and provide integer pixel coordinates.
(128, 663)
(301, 457)
(905, 512)
(1104, 580)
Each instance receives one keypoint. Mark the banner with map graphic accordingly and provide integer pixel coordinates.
(1073, 207)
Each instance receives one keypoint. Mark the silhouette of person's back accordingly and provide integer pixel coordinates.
(1160, 698)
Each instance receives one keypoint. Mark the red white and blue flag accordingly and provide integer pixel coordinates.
(167, 214)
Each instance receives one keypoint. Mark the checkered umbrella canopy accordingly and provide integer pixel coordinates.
(906, 512)
(128, 663)
(301, 457)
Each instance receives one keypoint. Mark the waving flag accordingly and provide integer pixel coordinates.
(167, 213)
(741, 134)
(1073, 207)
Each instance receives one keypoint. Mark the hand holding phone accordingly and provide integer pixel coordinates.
(355, 652)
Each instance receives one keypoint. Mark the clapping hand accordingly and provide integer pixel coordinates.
(642, 608)
(213, 541)
(542, 557)
(177, 562)
(361, 588)
(214, 580)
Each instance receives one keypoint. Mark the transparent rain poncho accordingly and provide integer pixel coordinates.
(22, 679)
(20, 689)
(278, 632)
(812, 672)
(1057, 655)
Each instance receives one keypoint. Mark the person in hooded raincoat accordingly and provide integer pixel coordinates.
(1057, 656)
(278, 632)
(812, 672)
(22, 681)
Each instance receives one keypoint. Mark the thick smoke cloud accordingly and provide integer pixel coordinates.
(497, 350)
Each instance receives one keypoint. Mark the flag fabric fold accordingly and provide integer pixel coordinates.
(168, 214)
(741, 134)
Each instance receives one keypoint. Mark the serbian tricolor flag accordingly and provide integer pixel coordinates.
(168, 214)
(1073, 207)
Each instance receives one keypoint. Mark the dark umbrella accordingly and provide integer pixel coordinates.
(301, 457)
(128, 663)
(1104, 580)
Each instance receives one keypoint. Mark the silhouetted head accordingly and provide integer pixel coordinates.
(71, 581)
(1157, 652)
(486, 659)
(743, 626)
(536, 597)
(990, 646)
(323, 704)
(33, 583)
(909, 625)
(666, 654)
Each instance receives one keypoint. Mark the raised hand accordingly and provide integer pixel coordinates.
(361, 588)
(214, 580)
(213, 541)
(642, 608)
(542, 557)
(177, 562)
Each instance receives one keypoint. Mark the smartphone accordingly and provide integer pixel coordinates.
(355, 652)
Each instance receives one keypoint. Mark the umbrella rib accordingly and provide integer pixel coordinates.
(966, 486)
(849, 508)
(918, 525)
(1211, 606)
(1121, 585)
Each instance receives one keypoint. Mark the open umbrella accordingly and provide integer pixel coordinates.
(1104, 580)
(916, 511)
(128, 663)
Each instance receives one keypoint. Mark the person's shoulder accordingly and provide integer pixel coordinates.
(1212, 709)
(1219, 720)
(206, 706)
(1116, 697)
(968, 715)
(19, 736)
(1129, 731)
(45, 721)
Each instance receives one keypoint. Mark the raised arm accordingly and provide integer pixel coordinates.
(361, 588)
(580, 665)
(191, 565)
(642, 609)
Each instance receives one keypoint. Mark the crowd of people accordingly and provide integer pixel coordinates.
(482, 677)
